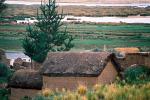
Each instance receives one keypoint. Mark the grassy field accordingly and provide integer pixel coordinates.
(87, 36)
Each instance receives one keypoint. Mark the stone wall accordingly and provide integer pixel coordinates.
(18, 94)
(134, 58)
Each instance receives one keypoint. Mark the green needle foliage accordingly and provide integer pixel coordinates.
(35, 45)
(2, 5)
(45, 36)
(5, 73)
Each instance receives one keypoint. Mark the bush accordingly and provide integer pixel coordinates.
(26, 98)
(137, 74)
(4, 94)
(5, 73)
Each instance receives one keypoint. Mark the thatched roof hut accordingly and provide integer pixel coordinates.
(75, 67)
(75, 64)
(26, 79)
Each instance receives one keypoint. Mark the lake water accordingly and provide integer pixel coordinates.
(15, 54)
(12, 55)
(133, 19)
(80, 4)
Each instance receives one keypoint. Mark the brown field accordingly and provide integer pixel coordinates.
(80, 10)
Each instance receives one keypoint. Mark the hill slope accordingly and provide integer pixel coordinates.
(93, 1)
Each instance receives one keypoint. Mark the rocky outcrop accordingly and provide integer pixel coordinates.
(26, 79)
(18, 64)
(26, 64)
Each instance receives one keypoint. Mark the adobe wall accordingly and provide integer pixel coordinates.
(70, 83)
(108, 75)
(135, 58)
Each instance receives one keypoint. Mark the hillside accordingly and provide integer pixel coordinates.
(13, 10)
(94, 1)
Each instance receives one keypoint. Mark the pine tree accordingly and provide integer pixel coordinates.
(46, 36)
(35, 45)
(2, 5)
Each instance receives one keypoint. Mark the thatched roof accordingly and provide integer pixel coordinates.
(140, 53)
(128, 50)
(26, 79)
(75, 64)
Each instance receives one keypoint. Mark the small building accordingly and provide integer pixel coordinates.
(25, 83)
(31, 20)
(68, 69)
(130, 59)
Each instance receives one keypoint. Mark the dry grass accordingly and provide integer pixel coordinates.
(103, 92)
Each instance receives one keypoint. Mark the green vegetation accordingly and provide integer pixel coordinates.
(137, 74)
(5, 73)
(4, 94)
(2, 6)
(87, 36)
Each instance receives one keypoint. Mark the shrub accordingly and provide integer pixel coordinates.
(127, 92)
(137, 74)
(26, 98)
(5, 73)
(4, 93)
(82, 90)
(47, 92)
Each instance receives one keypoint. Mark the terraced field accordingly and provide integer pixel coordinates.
(87, 36)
